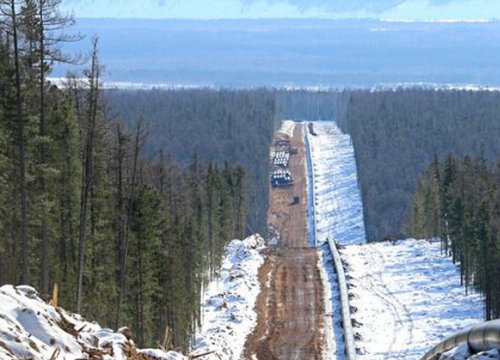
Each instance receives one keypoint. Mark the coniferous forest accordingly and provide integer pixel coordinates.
(126, 199)
(218, 126)
(100, 206)
(428, 168)
(396, 135)
(459, 201)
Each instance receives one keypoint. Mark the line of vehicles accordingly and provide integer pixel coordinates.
(281, 176)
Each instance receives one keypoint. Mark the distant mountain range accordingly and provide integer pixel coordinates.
(338, 9)
(243, 53)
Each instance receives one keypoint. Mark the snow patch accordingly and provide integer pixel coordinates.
(459, 353)
(493, 354)
(32, 329)
(228, 311)
(287, 128)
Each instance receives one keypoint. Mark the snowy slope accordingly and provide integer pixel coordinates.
(334, 343)
(228, 311)
(338, 206)
(408, 298)
(33, 329)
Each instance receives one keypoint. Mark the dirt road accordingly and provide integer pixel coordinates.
(290, 306)
(289, 222)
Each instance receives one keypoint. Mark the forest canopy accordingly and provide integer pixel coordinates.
(397, 133)
(223, 125)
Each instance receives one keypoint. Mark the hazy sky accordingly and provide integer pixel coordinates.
(428, 10)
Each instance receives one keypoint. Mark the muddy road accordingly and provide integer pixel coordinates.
(290, 308)
(287, 220)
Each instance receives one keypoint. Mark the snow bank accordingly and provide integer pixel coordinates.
(408, 298)
(33, 329)
(228, 311)
(338, 206)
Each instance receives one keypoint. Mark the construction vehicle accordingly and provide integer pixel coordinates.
(281, 178)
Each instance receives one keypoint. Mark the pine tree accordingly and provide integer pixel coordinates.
(10, 9)
(145, 226)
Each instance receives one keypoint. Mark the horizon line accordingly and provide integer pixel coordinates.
(360, 19)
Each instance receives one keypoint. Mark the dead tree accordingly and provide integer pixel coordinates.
(87, 164)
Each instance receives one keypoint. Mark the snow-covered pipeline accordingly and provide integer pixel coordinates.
(482, 337)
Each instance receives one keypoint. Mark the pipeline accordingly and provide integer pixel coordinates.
(350, 348)
(482, 337)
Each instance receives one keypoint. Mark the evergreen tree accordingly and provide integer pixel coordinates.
(470, 216)
(130, 239)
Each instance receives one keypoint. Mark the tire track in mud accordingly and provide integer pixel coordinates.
(290, 308)
(290, 324)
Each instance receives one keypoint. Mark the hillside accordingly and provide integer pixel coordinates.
(405, 296)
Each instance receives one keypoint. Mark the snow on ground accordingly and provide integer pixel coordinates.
(287, 128)
(407, 295)
(408, 298)
(334, 344)
(338, 206)
(32, 329)
(228, 311)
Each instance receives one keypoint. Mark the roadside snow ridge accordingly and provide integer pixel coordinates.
(338, 206)
(228, 311)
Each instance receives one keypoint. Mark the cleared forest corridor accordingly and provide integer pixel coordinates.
(290, 306)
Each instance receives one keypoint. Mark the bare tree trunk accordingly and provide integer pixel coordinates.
(21, 143)
(123, 265)
(87, 169)
(43, 152)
